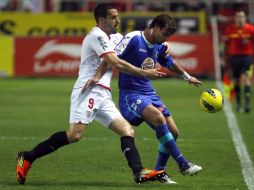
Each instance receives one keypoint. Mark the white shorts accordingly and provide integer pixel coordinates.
(95, 103)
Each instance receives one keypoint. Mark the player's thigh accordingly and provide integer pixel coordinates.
(246, 70)
(153, 115)
(131, 106)
(84, 106)
(107, 112)
(121, 127)
(109, 116)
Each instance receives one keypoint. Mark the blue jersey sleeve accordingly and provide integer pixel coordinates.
(165, 61)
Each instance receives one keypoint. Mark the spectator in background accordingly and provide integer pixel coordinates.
(140, 6)
(188, 5)
(9, 5)
(32, 5)
(158, 5)
(225, 11)
(4, 5)
(70, 5)
(238, 49)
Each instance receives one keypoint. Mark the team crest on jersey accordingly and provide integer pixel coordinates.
(148, 63)
(122, 45)
(102, 42)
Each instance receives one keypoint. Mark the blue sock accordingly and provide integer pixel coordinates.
(162, 158)
(167, 140)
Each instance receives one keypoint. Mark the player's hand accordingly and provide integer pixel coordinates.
(194, 81)
(168, 50)
(89, 84)
(154, 73)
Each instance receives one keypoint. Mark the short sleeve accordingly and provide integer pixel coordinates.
(166, 61)
(101, 44)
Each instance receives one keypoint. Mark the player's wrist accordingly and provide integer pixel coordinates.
(185, 76)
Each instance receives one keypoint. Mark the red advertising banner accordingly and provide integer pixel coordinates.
(194, 53)
(47, 56)
(42, 56)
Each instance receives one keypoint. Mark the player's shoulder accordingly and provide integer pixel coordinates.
(115, 38)
(96, 32)
(116, 35)
(133, 34)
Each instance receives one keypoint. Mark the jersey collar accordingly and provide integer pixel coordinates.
(147, 43)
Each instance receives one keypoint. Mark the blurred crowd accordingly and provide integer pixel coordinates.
(210, 6)
(223, 9)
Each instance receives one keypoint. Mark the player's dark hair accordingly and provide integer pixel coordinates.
(101, 10)
(164, 20)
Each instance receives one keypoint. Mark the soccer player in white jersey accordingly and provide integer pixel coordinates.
(138, 101)
(96, 103)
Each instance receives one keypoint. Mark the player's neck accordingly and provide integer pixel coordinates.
(103, 29)
(148, 33)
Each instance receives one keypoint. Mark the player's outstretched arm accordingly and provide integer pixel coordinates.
(176, 68)
(126, 67)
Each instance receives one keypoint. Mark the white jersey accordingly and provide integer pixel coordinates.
(94, 46)
(95, 103)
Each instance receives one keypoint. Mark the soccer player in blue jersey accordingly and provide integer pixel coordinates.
(138, 101)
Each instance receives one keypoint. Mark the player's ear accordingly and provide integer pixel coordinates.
(156, 28)
(101, 20)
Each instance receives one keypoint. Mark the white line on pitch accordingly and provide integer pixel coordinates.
(246, 163)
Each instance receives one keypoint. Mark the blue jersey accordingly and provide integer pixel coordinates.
(135, 49)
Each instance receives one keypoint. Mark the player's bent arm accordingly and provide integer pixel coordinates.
(126, 67)
(176, 68)
(102, 69)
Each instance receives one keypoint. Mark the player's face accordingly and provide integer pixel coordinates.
(240, 18)
(161, 35)
(112, 21)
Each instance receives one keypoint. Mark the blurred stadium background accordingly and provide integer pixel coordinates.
(40, 42)
(43, 37)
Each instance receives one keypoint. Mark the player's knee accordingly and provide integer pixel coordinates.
(175, 134)
(77, 137)
(74, 135)
(130, 132)
(158, 119)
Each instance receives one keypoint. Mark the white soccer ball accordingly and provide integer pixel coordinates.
(211, 100)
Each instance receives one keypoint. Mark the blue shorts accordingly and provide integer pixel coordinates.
(132, 105)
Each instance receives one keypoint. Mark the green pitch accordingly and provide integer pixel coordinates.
(33, 109)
